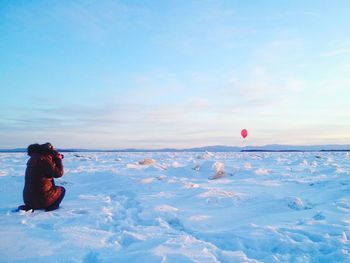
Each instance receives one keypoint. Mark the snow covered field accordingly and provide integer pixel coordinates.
(183, 207)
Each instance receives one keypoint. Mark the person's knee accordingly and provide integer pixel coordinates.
(63, 193)
(51, 208)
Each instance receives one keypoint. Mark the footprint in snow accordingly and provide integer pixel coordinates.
(91, 257)
(45, 226)
(80, 212)
(128, 238)
(319, 216)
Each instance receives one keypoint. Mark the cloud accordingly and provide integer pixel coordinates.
(260, 88)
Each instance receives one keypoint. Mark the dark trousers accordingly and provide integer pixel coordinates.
(56, 204)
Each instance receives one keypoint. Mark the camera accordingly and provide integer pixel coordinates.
(57, 154)
(51, 150)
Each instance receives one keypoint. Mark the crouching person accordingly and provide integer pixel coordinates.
(40, 191)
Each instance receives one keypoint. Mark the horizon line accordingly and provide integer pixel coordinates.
(346, 147)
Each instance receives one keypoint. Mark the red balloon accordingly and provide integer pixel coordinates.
(244, 133)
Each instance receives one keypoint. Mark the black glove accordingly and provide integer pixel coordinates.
(57, 155)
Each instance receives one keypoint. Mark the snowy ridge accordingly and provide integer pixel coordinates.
(184, 207)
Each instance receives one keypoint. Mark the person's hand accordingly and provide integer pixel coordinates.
(59, 156)
(56, 155)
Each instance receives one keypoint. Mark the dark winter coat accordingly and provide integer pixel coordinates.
(39, 189)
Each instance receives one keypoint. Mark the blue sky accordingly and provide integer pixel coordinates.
(153, 74)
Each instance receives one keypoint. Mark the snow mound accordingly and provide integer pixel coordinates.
(214, 170)
(247, 165)
(219, 171)
(147, 161)
(261, 171)
(296, 203)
